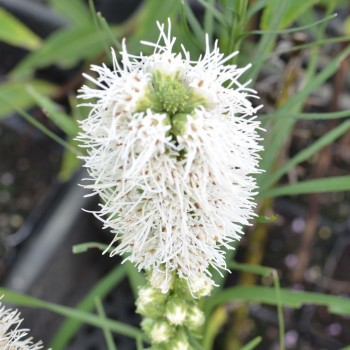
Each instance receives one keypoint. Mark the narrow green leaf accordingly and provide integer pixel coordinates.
(252, 344)
(14, 32)
(302, 116)
(306, 153)
(85, 317)
(106, 332)
(67, 124)
(329, 184)
(101, 289)
(282, 128)
(295, 9)
(65, 47)
(42, 128)
(15, 94)
(84, 247)
(75, 11)
(294, 29)
(136, 279)
(187, 15)
(289, 298)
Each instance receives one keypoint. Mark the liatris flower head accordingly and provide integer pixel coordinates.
(172, 145)
(11, 336)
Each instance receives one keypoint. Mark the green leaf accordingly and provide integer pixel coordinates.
(106, 332)
(41, 127)
(329, 184)
(16, 94)
(67, 124)
(76, 11)
(295, 9)
(14, 32)
(65, 48)
(85, 317)
(306, 153)
(289, 298)
(101, 289)
(252, 344)
(301, 116)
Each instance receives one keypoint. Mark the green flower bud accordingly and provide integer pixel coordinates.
(151, 302)
(195, 318)
(179, 342)
(161, 332)
(176, 310)
(159, 279)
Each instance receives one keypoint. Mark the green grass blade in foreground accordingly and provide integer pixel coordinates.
(135, 277)
(252, 344)
(43, 128)
(85, 317)
(106, 332)
(289, 298)
(15, 94)
(76, 11)
(14, 32)
(65, 47)
(329, 184)
(306, 153)
(67, 124)
(101, 289)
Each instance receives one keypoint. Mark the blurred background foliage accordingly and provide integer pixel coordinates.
(299, 54)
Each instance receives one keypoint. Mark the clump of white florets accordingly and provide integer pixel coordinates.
(12, 337)
(171, 146)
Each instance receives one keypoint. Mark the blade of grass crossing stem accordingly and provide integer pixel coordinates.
(106, 332)
(252, 344)
(67, 124)
(329, 184)
(306, 153)
(43, 128)
(85, 317)
(101, 289)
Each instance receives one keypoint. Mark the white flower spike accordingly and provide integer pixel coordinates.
(171, 145)
(11, 336)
